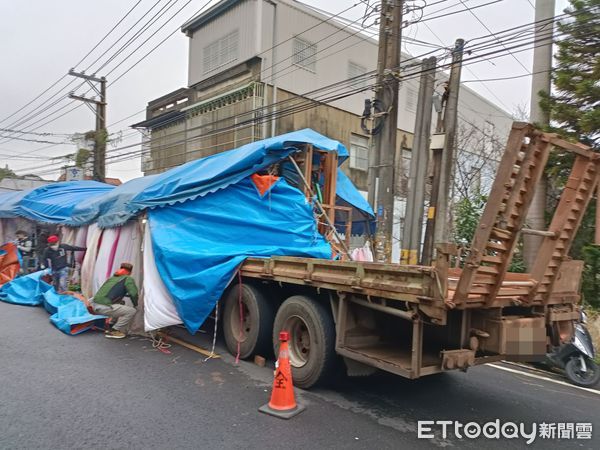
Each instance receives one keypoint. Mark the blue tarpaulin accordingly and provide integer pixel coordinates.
(28, 290)
(112, 208)
(363, 218)
(205, 217)
(55, 202)
(9, 203)
(199, 244)
(198, 178)
(69, 314)
(72, 317)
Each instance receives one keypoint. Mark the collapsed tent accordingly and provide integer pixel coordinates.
(207, 216)
(51, 203)
(204, 219)
(199, 244)
(68, 313)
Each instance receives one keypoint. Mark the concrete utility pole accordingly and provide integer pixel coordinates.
(388, 67)
(411, 237)
(100, 113)
(540, 81)
(442, 209)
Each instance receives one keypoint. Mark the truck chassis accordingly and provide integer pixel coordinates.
(416, 320)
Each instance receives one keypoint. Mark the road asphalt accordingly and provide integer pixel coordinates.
(63, 392)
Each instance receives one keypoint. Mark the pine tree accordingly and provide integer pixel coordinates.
(574, 108)
(574, 105)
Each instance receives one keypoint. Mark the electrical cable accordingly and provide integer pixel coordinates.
(137, 35)
(137, 153)
(80, 61)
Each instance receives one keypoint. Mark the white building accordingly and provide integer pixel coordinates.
(246, 55)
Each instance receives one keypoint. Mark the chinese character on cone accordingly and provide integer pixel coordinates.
(282, 403)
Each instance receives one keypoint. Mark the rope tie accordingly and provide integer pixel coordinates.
(239, 342)
(214, 342)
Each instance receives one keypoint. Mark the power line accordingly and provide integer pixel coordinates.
(79, 105)
(39, 141)
(82, 59)
(492, 33)
(484, 36)
(314, 103)
(154, 19)
(461, 11)
(507, 78)
(137, 35)
(471, 72)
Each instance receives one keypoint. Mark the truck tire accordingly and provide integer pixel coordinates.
(312, 340)
(256, 321)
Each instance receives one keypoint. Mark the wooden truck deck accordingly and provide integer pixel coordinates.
(466, 308)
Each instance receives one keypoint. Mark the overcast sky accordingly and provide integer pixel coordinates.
(41, 40)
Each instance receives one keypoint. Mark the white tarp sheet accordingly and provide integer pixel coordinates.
(89, 263)
(159, 310)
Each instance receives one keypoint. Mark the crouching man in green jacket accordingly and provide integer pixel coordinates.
(108, 301)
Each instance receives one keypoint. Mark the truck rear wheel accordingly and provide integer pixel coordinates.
(250, 329)
(312, 339)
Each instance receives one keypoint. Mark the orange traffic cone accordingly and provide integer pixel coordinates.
(283, 404)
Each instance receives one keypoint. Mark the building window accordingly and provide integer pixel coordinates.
(304, 54)
(359, 152)
(411, 100)
(221, 52)
(356, 70)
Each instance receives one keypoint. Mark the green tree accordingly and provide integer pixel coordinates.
(6, 172)
(574, 103)
(591, 275)
(574, 109)
(468, 212)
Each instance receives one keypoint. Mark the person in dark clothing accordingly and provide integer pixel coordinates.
(55, 257)
(108, 301)
(25, 247)
(40, 247)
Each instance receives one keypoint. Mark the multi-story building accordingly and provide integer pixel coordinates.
(264, 67)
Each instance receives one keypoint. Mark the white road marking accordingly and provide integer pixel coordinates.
(539, 377)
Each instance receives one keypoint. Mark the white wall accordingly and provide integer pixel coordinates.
(336, 46)
(242, 17)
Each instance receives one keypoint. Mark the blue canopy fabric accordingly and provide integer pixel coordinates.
(54, 203)
(363, 217)
(9, 203)
(69, 314)
(72, 317)
(112, 208)
(206, 217)
(199, 244)
(27, 290)
(206, 175)
(201, 177)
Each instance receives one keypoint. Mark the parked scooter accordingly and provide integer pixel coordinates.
(576, 357)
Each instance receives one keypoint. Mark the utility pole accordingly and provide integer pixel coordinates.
(411, 237)
(436, 154)
(100, 113)
(388, 67)
(540, 81)
(442, 210)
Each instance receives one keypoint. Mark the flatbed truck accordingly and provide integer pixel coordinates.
(414, 320)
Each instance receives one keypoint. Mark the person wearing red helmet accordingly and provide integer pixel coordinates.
(55, 257)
